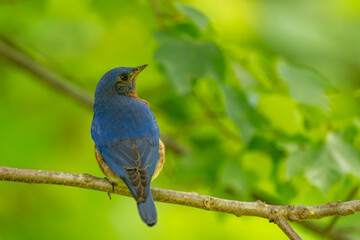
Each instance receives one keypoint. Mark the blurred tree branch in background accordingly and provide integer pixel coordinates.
(14, 54)
(44, 74)
(278, 214)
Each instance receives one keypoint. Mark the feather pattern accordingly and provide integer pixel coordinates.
(126, 134)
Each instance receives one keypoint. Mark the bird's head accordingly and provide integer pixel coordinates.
(120, 80)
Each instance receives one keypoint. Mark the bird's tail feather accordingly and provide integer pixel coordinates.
(147, 210)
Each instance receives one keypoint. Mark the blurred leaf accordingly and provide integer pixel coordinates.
(347, 157)
(178, 30)
(239, 112)
(345, 105)
(266, 145)
(195, 15)
(175, 108)
(247, 81)
(350, 133)
(185, 60)
(251, 160)
(261, 69)
(298, 161)
(286, 190)
(306, 86)
(323, 172)
(324, 165)
(282, 112)
(313, 117)
(236, 179)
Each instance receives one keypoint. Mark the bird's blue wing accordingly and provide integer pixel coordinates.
(131, 147)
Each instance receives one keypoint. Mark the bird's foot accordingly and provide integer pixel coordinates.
(109, 194)
(113, 188)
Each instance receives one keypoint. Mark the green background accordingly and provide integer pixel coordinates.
(262, 98)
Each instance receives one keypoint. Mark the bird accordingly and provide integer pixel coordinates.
(128, 148)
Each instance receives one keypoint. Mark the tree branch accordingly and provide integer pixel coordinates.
(286, 228)
(44, 74)
(191, 199)
(335, 234)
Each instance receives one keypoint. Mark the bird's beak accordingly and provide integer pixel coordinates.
(137, 70)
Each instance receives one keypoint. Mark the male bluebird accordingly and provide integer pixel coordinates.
(126, 136)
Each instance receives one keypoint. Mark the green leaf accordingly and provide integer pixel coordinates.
(305, 85)
(347, 157)
(260, 68)
(245, 78)
(195, 15)
(282, 112)
(345, 105)
(298, 161)
(235, 178)
(239, 111)
(185, 60)
(325, 165)
(323, 172)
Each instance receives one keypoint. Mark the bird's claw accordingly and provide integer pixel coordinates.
(113, 189)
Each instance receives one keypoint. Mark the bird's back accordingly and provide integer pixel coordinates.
(127, 136)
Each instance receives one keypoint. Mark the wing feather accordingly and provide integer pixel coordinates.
(129, 143)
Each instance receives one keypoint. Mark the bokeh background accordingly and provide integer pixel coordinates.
(255, 100)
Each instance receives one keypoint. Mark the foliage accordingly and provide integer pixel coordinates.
(266, 104)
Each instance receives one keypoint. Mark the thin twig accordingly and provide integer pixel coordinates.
(316, 228)
(286, 228)
(191, 199)
(47, 76)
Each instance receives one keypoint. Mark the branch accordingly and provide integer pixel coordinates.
(286, 228)
(191, 199)
(335, 234)
(44, 74)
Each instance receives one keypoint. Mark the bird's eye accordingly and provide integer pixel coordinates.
(123, 77)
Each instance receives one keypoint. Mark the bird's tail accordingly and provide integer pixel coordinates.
(147, 210)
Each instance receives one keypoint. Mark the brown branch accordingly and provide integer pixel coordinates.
(191, 199)
(316, 228)
(286, 228)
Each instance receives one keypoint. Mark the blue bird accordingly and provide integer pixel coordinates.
(126, 136)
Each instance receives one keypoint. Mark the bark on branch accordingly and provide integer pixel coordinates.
(191, 199)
